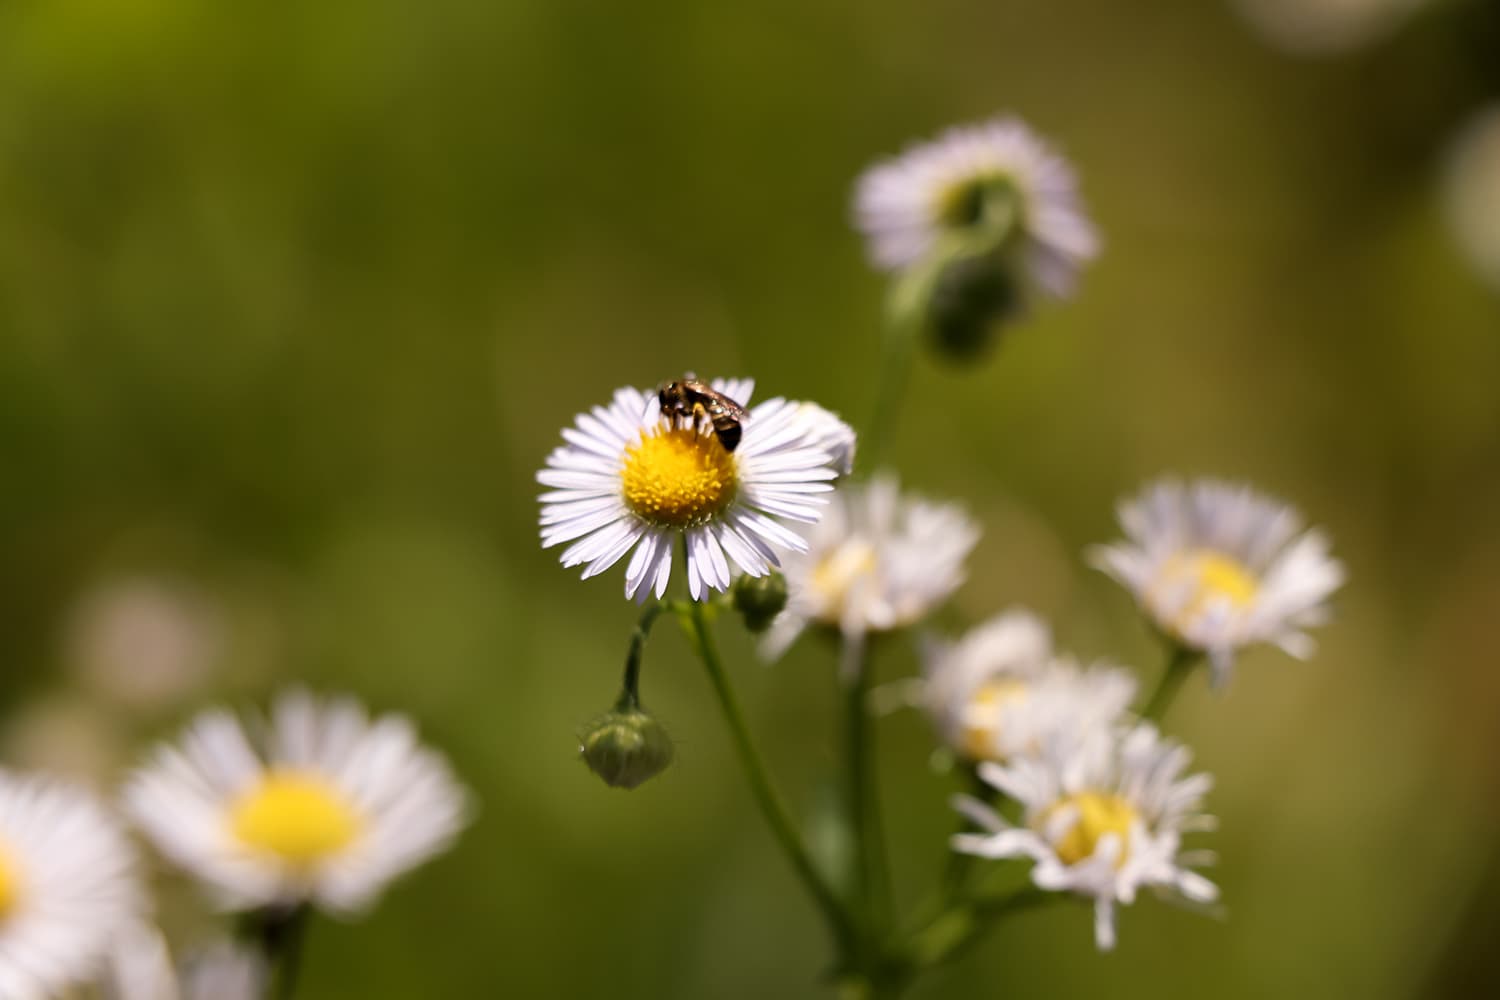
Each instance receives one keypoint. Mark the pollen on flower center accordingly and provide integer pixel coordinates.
(1098, 813)
(10, 883)
(298, 816)
(678, 477)
(1208, 577)
(981, 720)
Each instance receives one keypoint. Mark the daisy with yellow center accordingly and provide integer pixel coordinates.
(1100, 818)
(1000, 690)
(877, 561)
(67, 885)
(328, 809)
(631, 478)
(998, 176)
(1218, 567)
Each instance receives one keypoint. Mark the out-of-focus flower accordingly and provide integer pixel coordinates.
(1323, 27)
(1218, 567)
(67, 736)
(990, 664)
(1472, 193)
(626, 747)
(633, 477)
(67, 885)
(143, 641)
(331, 808)
(995, 186)
(877, 561)
(1099, 819)
(1000, 691)
(140, 968)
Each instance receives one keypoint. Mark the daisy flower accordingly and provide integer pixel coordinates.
(1218, 567)
(326, 807)
(1000, 691)
(67, 885)
(1098, 819)
(877, 561)
(998, 175)
(630, 477)
(140, 968)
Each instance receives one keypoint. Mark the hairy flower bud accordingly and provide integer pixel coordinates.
(626, 747)
(759, 599)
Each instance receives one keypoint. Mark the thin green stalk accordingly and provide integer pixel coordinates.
(956, 930)
(1179, 665)
(771, 805)
(873, 880)
(282, 934)
(630, 687)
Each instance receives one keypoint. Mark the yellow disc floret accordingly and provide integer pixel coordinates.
(1208, 578)
(978, 739)
(678, 477)
(297, 816)
(10, 883)
(1098, 813)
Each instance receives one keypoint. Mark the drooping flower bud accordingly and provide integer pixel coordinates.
(759, 599)
(626, 747)
(974, 296)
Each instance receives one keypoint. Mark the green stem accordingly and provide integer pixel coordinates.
(630, 688)
(872, 881)
(956, 930)
(282, 934)
(903, 325)
(771, 805)
(1179, 665)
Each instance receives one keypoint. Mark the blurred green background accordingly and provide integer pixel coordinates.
(295, 297)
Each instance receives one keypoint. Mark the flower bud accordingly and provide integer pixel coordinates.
(626, 747)
(974, 295)
(759, 599)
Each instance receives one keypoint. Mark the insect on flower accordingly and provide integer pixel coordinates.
(687, 399)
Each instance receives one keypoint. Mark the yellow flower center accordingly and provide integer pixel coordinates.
(837, 573)
(981, 719)
(678, 477)
(1098, 813)
(297, 816)
(1208, 577)
(10, 883)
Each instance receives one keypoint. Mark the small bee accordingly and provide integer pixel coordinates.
(687, 399)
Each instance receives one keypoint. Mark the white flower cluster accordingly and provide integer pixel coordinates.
(326, 811)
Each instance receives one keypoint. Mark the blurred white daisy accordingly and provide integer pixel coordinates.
(995, 175)
(1218, 566)
(327, 808)
(631, 477)
(1471, 193)
(1000, 690)
(877, 561)
(1098, 819)
(1318, 27)
(141, 968)
(67, 885)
